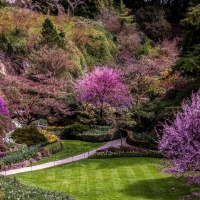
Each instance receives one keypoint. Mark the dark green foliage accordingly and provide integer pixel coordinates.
(152, 22)
(72, 131)
(109, 154)
(13, 42)
(54, 148)
(189, 63)
(14, 190)
(50, 35)
(143, 142)
(29, 135)
(96, 137)
(191, 23)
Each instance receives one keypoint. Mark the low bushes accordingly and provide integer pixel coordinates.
(96, 137)
(29, 135)
(13, 189)
(141, 142)
(72, 131)
(54, 148)
(97, 134)
(116, 154)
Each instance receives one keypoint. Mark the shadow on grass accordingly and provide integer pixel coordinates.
(163, 188)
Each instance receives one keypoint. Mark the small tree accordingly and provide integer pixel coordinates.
(103, 87)
(50, 36)
(181, 141)
(55, 62)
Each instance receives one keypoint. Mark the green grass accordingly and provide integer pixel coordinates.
(70, 148)
(109, 179)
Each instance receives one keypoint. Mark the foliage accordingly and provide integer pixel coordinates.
(13, 189)
(9, 160)
(99, 49)
(71, 131)
(152, 22)
(54, 148)
(141, 141)
(110, 154)
(20, 149)
(191, 24)
(145, 136)
(13, 42)
(3, 108)
(29, 135)
(98, 136)
(103, 87)
(50, 36)
(189, 63)
(50, 136)
(180, 141)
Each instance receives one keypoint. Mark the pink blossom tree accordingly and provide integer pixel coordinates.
(3, 108)
(103, 87)
(181, 141)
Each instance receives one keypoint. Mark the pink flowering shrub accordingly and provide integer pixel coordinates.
(103, 87)
(3, 108)
(180, 142)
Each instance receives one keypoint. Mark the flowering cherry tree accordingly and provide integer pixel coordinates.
(103, 87)
(181, 141)
(3, 108)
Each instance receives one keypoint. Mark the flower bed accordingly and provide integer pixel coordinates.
(13, 190)
(114, 152)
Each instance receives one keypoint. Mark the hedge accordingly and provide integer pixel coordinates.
(117, 154)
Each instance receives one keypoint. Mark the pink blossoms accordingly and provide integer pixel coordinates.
(181, 141)
(103, 87)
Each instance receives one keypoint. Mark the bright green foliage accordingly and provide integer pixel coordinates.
(50, 35)
(192, 28)
(71, 131)
(100, 49)
(13, 42)
(29, 135)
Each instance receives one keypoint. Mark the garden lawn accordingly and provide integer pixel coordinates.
(70, 148)
(108, 179)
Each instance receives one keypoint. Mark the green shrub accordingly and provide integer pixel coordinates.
(71, 131)
(141, 143)
(29, 135)
(54, 148)
(109, 154)
(96, 137)
(39, 122)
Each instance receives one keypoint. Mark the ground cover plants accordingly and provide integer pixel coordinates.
(13, 190)
(109, 179)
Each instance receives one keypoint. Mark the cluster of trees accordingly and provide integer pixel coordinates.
(144, 83)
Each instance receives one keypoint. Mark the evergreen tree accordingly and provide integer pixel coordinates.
(192, 28)
(123, 12)
(50, 35)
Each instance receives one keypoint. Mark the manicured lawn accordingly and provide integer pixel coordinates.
(108, 179)
(71, 148)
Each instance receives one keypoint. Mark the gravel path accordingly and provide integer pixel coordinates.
(114, 143)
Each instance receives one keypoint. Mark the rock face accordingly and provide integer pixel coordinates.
(2, 68)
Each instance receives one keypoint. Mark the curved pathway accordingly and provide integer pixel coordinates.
(114, 143)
